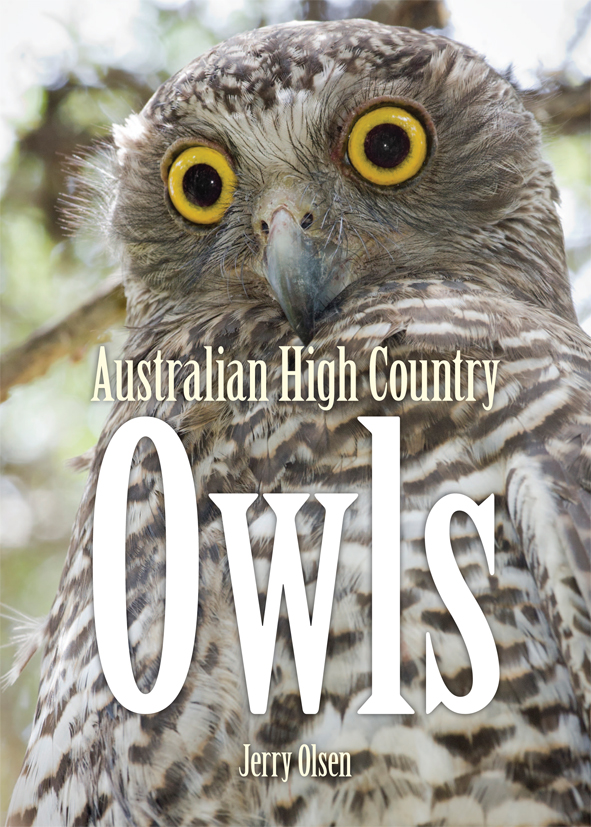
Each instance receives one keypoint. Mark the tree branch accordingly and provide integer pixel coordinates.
(562, 108)
(415, 14)
(71, 336)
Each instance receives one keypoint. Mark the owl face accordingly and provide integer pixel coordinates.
(296, 163)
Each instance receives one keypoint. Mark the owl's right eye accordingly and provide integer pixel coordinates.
(201, 184)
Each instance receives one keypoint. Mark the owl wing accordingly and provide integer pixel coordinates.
(549, 500)
(540, 424)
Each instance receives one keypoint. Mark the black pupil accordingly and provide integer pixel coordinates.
(202, 185)
(387, 145)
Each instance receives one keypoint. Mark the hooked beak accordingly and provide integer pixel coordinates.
(304, 272)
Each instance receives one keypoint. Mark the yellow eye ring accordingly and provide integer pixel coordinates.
(387, 145)
(201, 184)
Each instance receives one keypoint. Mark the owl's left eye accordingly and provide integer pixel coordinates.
(201, 184)
(387, 145)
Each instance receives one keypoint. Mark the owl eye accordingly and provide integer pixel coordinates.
(201, 184)
(387, 145)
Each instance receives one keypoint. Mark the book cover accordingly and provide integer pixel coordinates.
(330, 563)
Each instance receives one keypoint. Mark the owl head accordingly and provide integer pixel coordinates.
(296, 163)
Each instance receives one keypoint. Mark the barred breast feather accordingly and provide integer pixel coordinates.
(523, 760)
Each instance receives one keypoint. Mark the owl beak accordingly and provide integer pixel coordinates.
(302, 272)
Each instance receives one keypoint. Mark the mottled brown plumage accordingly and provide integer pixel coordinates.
(467, 256)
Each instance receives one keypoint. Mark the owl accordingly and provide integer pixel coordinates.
(325, 185)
